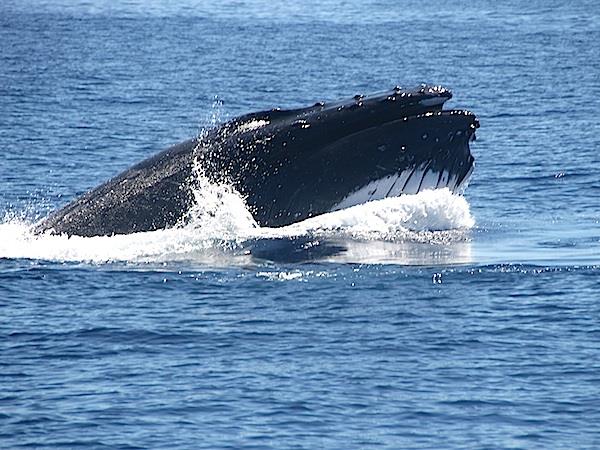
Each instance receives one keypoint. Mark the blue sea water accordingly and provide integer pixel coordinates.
(359, 329)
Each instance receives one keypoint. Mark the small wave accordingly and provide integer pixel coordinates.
(221, 230)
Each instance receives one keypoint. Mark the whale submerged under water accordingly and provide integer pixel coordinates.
(290, 165)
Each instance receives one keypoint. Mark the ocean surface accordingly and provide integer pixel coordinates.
(428, 321)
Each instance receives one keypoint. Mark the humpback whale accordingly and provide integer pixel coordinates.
(290, 164)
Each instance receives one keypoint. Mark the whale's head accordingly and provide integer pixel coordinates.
(297, 163)
(289, 164)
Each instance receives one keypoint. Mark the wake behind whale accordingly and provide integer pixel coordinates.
(289, 165)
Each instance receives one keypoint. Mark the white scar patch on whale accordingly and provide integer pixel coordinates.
(435, 101)
(252, 125)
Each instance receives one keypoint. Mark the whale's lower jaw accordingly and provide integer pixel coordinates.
(406, 182)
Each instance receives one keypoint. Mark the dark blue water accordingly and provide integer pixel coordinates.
(352, 331)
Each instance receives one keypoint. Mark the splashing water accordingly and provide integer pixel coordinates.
(220, 228)
(396, 217)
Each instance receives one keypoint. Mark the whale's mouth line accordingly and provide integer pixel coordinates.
(434, 109)
(407, 182)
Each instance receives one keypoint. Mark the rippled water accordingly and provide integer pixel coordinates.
(429, 321)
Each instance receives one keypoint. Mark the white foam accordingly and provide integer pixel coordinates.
(429, 210)
(213, 227)
(217, 228)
